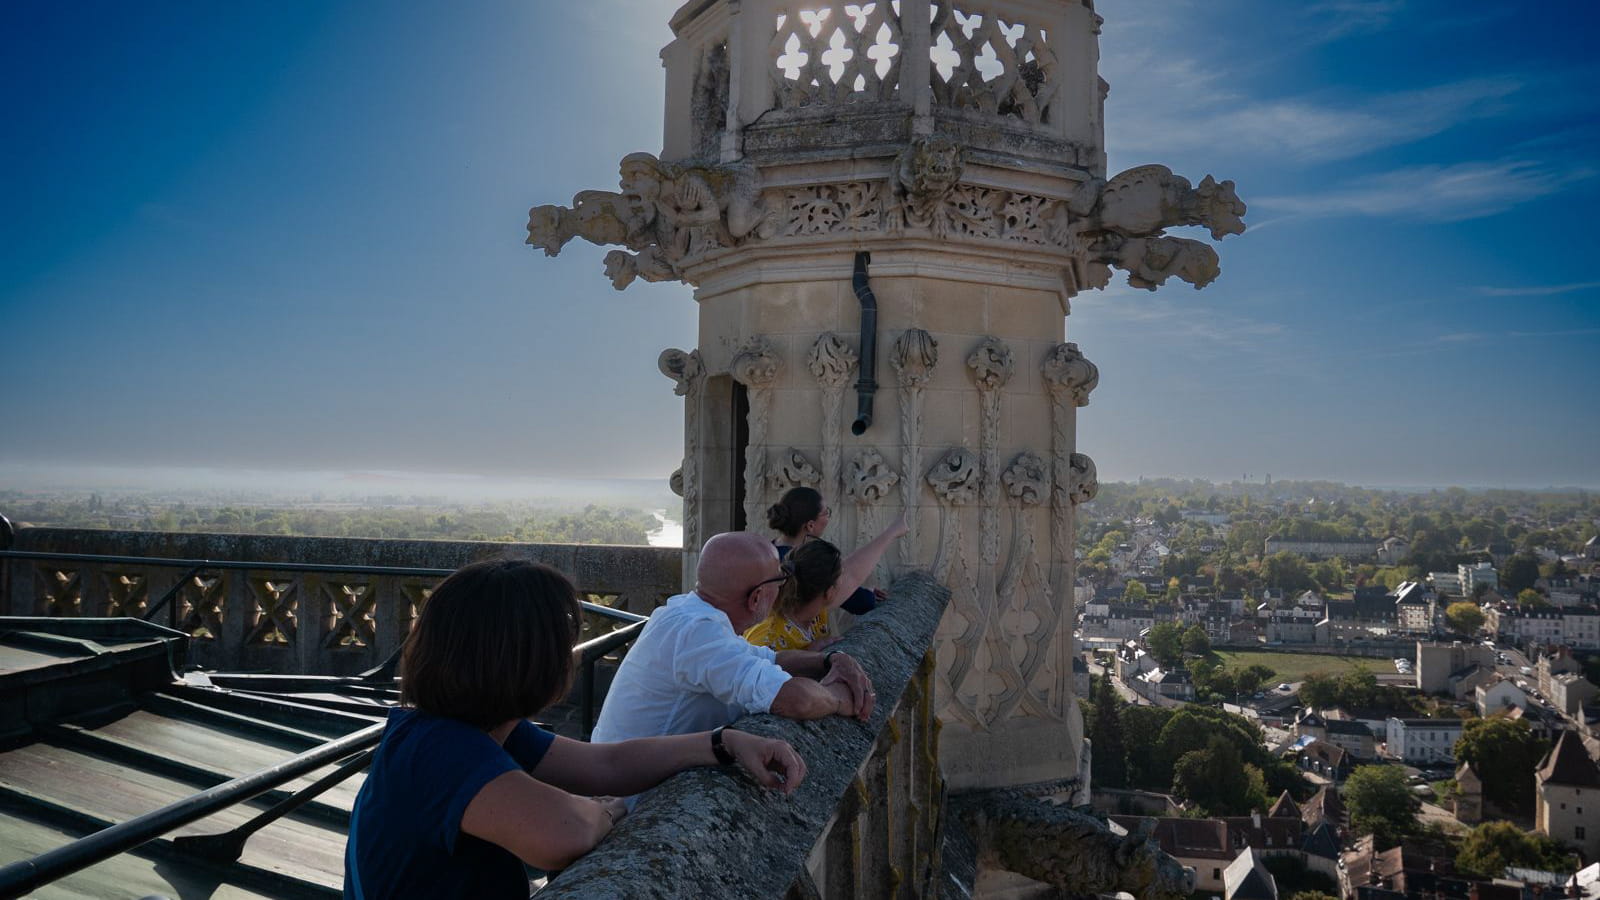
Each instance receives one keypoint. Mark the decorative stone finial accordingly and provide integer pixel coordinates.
(954, 478)
(832, 361)
(1083, 483)
(915, 354)
(1025, 479)
(991, 364)
(683, 367)
(1067, 370)
(794, 470)
(756, 364)
(869, 478)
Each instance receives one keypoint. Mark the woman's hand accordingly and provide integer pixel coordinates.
(899, 527)
(771, 762)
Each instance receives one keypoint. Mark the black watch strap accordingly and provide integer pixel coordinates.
(718, 749)
(827, 661)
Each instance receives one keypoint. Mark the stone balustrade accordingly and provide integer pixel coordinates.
(285, 622)
(867, 822)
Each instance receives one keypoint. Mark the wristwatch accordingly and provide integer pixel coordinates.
(717, 749)
(827, 661)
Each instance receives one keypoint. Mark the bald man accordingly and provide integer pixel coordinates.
(690, 670)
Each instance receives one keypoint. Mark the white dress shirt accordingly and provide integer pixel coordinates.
(688, 671)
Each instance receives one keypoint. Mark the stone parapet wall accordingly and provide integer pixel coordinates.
(867, 822)
(322, 623)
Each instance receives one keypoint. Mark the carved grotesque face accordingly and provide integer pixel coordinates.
(933, 167)
(544, 229)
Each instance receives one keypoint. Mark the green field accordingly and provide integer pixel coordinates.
(1296, 666)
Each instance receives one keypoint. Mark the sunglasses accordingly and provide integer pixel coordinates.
(784, 574)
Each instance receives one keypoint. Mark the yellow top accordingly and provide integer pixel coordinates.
(777, 632)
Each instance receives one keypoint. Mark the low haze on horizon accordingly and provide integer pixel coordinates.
(288, 238)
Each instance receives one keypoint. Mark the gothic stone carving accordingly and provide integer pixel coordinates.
(666, 213)
(924, 173)
(1135, 206)
(756, 367)
(915, 354)
(1083, 483)
(794, 470)
(1067, 369)
(834, 364)
(1067, 849)
(687, 371)
(991, 366)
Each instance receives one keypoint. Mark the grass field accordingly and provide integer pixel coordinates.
(1295, 666)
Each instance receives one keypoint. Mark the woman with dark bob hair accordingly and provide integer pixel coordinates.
(822, 579)
(463, 789)
(800, 516)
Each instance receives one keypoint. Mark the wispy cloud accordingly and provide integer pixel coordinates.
(1165, 319)
(1190, 111)
(1546, 290)
(1435, 193)
(1337, 18)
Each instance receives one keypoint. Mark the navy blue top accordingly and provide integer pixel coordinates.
(864, 600)
(405, 828)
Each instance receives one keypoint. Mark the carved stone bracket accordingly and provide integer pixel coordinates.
(1084, 483)
(833, 363)
(991, 364)
(687, 371)
(955, 482)
(1067, 369)
(756, 367)
(1033, 621)
(915, 354)
(868, 483)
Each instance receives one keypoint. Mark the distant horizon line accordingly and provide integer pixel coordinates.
(36, 476)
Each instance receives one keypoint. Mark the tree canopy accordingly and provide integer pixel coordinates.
(1519, 574)
(1504, 753)
(1490, 847)
(1464, 618)
(1381, 804)
(1165, 641)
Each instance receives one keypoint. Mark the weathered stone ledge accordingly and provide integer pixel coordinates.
(716, 833)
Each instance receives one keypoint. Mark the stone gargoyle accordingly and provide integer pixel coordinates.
(667, 214)
(1135, 207)
(1067, 849)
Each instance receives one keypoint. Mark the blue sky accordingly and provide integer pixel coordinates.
(288, 235)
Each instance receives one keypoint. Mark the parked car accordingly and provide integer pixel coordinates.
(1285, 687)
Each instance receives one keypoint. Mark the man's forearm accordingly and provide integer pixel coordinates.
(804, 663)
(802, 698)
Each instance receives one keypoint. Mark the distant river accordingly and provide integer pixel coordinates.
(668, 533)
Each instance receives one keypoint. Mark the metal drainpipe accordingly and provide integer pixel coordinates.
(867, 384)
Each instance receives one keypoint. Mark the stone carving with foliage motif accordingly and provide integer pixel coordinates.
(794, 470)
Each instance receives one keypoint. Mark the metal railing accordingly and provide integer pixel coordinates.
(352, 751)
(585, 655)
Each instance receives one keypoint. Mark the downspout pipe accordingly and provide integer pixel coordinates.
(867, 383)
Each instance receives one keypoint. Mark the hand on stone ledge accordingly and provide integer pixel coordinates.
(844, 670)
(771, 762)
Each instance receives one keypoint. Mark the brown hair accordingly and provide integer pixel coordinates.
(791, 513)
(494, 643)
(816, 565)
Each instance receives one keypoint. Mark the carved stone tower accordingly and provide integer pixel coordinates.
(944, 162)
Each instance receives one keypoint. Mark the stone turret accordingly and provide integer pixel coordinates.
(944, 162)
